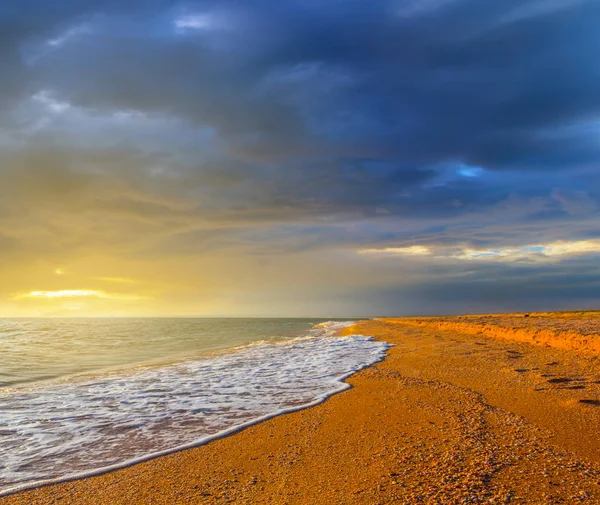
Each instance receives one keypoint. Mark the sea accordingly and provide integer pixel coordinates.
(79, 397)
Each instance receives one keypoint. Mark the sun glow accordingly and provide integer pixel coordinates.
(78, 293)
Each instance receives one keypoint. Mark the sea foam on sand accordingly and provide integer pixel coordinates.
(66, 429)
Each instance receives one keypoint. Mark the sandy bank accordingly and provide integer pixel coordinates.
(563, 330)
(447, 418)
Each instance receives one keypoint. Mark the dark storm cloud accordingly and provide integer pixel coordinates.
(287, 78)
(30, 23)
(183, 128)
(338, 83)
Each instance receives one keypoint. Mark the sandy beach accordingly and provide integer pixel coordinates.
(464, 410)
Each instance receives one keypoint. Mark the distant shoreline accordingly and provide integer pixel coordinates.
(575, 330)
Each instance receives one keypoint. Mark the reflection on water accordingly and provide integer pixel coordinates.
(38, 349)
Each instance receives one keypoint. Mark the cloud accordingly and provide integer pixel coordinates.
(68, 35)
(77, 293)
(191, 23)
(410, 8)
(118, 280)
(555, 250)
(532, 252)
(540, 8)
(448, 133)
(462, 86)
(415, 250)
(45, 98)
(575, 202)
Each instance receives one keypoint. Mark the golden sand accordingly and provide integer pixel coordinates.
(563, 330)
(448, 418)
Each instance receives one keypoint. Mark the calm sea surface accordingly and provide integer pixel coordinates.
(81, 395)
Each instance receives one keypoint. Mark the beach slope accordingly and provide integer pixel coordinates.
(454, 415)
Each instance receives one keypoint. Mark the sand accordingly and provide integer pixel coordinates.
(449, 417)
(563, 330)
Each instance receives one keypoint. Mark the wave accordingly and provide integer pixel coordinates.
(62, 431)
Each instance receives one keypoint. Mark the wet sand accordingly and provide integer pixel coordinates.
(450, 417)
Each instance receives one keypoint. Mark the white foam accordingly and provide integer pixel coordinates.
(329, 328)
(60, 431)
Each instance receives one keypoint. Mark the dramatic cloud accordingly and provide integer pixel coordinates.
(231, 158)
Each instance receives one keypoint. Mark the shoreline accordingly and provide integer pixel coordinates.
(338, 380)
(192, 445)
(363, 422)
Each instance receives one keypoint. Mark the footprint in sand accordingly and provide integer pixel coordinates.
(565, 382)
(559, 380)
(595, 403)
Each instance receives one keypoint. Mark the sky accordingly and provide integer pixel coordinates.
(298, 157)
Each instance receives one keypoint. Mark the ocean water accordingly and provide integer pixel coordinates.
(79, 396)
